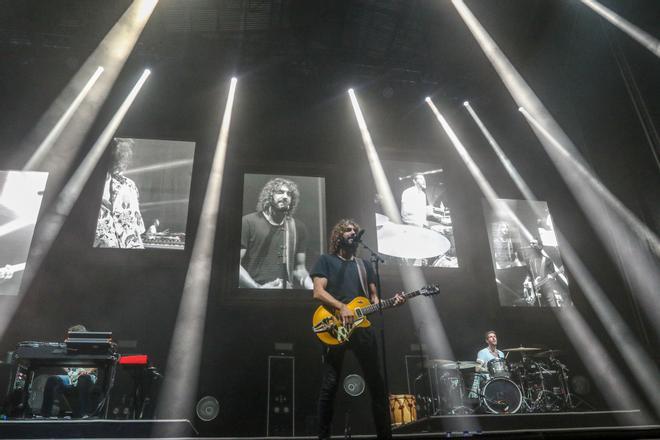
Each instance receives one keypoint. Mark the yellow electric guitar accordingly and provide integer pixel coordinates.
(328, 326)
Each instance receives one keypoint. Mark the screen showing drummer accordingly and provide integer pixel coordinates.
(425, 235)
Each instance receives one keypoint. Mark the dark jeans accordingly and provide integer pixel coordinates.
(56, 386)
(363, 344)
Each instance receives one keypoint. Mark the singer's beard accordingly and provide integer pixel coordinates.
(348, 245)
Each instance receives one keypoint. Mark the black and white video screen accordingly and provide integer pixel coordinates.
(529, 271)
(425, 236)
(21, 193)
(282, 230)
(145, 195)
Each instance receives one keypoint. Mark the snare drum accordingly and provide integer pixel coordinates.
(403, 409)
(497, 368)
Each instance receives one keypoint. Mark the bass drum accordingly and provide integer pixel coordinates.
(501, 396)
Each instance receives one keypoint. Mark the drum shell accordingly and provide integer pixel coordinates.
(500, 395)
(403, 409)
(498, 368)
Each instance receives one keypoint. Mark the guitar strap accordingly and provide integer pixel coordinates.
(362, 274)
(290, 239)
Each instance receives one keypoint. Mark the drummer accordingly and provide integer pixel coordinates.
(415, 207)
(484, 356)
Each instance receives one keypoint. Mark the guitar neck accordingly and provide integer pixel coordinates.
(387, 303)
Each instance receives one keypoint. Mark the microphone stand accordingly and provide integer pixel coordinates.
(376, 259)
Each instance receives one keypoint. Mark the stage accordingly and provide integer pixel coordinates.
(592, 424)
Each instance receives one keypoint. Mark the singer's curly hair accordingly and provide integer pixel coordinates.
(266, 195)
(121, 154)
(337, 232)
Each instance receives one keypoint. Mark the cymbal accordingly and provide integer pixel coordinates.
(522, 349)
(430, 363)
(547, 353)
(447, 364)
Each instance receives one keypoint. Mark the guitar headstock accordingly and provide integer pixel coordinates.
(431, 289)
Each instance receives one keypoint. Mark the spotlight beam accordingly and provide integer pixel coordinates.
(47, 143)
(431, 331)
(182, 372)
(635, 261)
(589, 348)
(482, 182)
(639, 362)
(60, 136)
(49, 228)
(517, 178)
(634, 32)
(640, 228)
(433, 335)
(158, 167)
(642, 267)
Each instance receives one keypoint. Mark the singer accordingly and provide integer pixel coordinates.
(273, 242)
(339, 277)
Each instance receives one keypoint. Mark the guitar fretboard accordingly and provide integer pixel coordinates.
(387, 303)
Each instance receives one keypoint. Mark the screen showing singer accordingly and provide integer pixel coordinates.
(282, 230)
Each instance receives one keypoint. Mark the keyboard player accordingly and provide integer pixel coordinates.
(76, 387)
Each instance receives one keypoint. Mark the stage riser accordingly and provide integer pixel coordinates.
(515, 422)
(96, 429)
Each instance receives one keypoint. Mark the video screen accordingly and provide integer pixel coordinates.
(528, 272)
(21, 193)
(425, 236)
(282, 230)
(145, 197)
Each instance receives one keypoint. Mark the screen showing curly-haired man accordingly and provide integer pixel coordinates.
(281, 230)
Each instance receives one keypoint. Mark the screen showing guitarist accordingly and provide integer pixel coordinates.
(273, 242)
(340, 277)
(545, 285)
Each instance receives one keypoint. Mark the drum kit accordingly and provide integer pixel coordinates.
(414, 245)
(535, 382)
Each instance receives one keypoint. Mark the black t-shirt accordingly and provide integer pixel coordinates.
(263, 243)
(342, 275)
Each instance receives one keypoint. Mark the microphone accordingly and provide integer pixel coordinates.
(358, 236)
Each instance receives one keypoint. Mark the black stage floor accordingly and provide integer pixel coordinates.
(580, 425)
(481, 423)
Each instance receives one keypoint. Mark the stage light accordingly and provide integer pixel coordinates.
(482, 182)
(50, 226)
(525, 97)
(62, 122)
(637, 34)
(627, 239)
(645, 370)
(60, 135)
(424, 313)
(177, 399)
(466, 104)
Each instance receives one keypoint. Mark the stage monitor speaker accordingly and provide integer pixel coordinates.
(207, 408)
(354, 385)
(280, 411)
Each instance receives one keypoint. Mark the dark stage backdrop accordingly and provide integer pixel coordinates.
(304, 126)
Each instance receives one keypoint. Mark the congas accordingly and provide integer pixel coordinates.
(501, 396)
(498, 368)
(403, 409)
